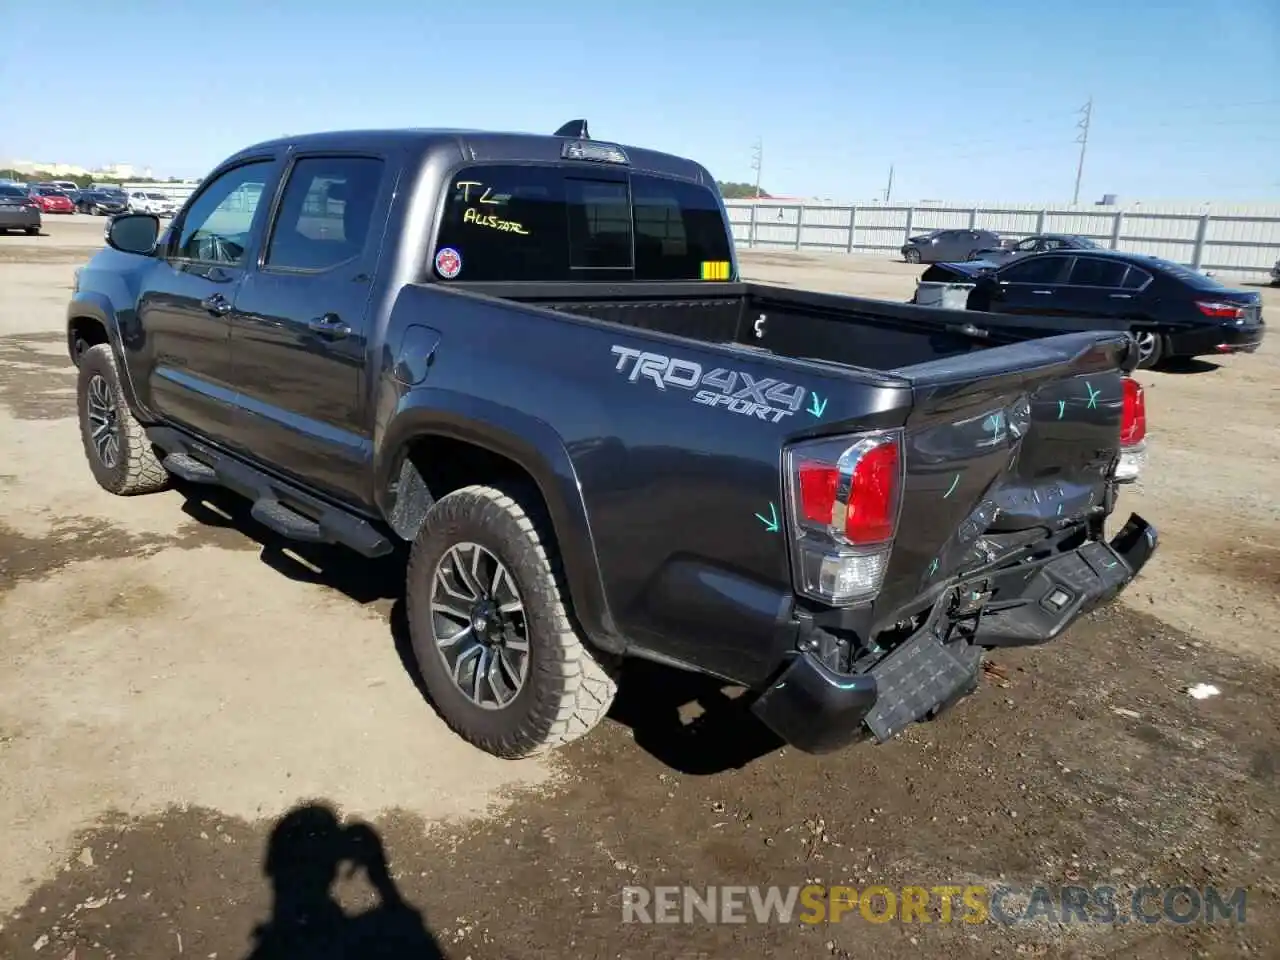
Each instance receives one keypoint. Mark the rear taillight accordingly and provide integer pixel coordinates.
(1133, 424)
(1133, 431)
(845, 494)
(1220, 310)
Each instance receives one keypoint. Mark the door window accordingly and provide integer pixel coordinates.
(1136, 278)
(1034, 269)
(216, 226)
(325, 213)
(1095, 272)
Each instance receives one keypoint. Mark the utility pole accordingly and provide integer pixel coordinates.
(889, 186)
(1086, 116)
(757, 161)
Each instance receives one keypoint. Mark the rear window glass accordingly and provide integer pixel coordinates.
(11, 192)
(1192, 278)
(504, 222)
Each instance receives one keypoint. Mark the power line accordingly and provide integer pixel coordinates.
(757, 161)
(1086, 116)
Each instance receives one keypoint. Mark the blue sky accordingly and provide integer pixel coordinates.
(970, 101)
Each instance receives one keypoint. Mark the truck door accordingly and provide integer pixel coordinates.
(301, 324)
(186, 297)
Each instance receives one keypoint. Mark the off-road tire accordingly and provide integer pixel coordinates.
(568, 689)
(137, 469)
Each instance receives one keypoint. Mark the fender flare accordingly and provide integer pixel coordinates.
(536, 447)
(91, 305)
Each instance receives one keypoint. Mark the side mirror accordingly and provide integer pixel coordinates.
(133, 233)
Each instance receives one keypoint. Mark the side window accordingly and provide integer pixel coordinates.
(1136, 278)
(1051, 243)
(325, 213)
(1036, 269)
(1095, 272)
(1026, 246)
(680, 231)
(216, 226)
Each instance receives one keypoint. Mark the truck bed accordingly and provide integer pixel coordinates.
(828, 328)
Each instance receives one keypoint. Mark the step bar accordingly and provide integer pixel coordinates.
(278, 505)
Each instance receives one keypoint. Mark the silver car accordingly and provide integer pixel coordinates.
(18, 211)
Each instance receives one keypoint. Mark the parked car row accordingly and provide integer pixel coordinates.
(61, 196)
(18, 211)
(1172, 311)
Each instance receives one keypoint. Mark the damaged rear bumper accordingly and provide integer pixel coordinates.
(818, 710)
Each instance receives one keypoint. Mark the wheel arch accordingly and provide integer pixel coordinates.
(440, 441)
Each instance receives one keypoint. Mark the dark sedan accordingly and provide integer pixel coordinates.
(1172, 310)
(1040, 243)
(18, 211)
(938, 246)
(105, 202)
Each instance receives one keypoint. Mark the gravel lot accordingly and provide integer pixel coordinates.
(176, 682)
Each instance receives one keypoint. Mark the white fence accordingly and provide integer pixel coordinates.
(1238, 241)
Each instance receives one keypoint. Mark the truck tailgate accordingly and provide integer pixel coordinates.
(1003, 447)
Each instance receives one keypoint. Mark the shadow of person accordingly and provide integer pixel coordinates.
(306, 853)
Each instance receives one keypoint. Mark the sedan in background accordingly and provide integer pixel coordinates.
(1171, 310)
(938, 246)
(18, 211)
(52, 200)
(1040, 243)
(102, 201)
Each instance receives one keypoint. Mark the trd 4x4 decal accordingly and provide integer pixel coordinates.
(737, 391)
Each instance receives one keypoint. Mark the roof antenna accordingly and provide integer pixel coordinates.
(574, 128)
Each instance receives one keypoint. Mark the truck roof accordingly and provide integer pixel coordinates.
(479, 146)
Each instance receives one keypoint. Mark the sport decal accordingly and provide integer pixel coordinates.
(448, 262)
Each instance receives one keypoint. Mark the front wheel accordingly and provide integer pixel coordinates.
(490, 630)
(119, 453)
(1151, 348)
(911, 256)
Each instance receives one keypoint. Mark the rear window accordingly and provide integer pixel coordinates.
(504, 222)
(11, 192)
(1192, 278)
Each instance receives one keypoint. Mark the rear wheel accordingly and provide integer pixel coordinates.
(1151, 348)
(119, 453)
(501, 661)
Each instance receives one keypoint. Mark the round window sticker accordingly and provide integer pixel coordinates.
(448, 262)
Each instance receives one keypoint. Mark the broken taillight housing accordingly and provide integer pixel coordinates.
(1133, 431)
(845, 496)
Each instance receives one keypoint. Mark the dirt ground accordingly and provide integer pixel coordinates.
(193, 716)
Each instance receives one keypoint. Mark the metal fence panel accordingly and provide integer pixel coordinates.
(1237, 241)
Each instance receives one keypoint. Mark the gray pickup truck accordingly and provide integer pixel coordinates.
(530, 361)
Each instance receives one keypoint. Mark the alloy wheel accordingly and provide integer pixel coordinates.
(104, 422)
(480, 626)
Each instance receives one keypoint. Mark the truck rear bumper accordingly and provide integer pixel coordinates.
(818, 710)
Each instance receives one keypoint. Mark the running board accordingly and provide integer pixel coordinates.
(279, 506)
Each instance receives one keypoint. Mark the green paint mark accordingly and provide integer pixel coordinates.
(1062, 408)
(816, 405)
(1111, 564)
(770, 522)
(933, 567)
(1059, 509)
(1093, 395)
(952, 489)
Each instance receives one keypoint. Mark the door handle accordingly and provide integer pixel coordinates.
(1043, 293)
(216, 304)
(329, 326)
(1122, 296)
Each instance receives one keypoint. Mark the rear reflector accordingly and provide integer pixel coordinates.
(845, 495)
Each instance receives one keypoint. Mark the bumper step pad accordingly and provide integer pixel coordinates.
(918, 679)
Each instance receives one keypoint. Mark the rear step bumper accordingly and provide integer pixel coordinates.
(818, 710)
